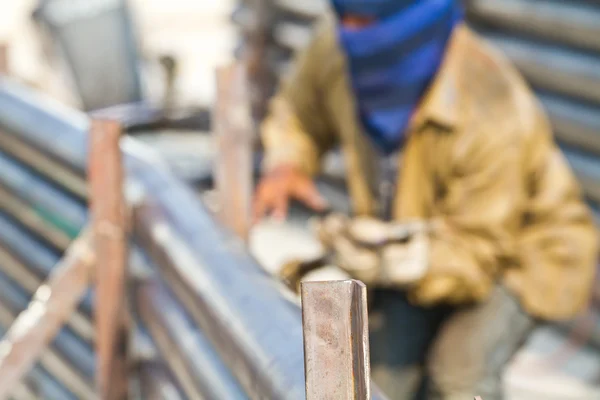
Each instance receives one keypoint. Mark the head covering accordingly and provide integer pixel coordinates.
(393, 61)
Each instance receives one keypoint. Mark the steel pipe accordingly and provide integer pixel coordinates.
(568, 22)
(156, 383)
(67, 358)
(575, 124)
(553, 69)
(186, 351)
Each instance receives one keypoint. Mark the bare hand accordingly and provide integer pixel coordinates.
(279, 186)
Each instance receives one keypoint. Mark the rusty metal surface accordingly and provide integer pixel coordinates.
(336, 340)
(184, 348)
(4, 70)
(234, 136)
(107, 209)
(50, 308)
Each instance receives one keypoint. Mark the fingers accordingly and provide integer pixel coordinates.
(307, 193)
(271, 196)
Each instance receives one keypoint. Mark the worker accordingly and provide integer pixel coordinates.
(467, 222)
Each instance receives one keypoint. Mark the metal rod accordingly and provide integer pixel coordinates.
(105, 174)
(156, 383)
(234, 166)
(336, 340)
(186, 351)
(49, 310)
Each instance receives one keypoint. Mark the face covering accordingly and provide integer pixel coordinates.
(393, 61)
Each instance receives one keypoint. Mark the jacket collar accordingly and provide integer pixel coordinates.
(440, 104)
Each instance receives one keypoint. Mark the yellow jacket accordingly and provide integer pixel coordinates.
(479, 159)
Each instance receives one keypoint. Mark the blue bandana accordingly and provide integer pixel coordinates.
(393, 61)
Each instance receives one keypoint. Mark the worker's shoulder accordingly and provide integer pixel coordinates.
(495, 95)
(324, 48)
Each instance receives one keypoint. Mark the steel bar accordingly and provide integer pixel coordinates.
(186, 351)
(156, 383)
(567, 22)
(50, 308)
(554, 69)
(4, 69)
(50, 203)
(105, 174)
(43, 165)
(234, 135)
(51, 359)
(32, 220)
(40, 384)
(26, 259)
(587, 170)
(575, 124)
(336, 340)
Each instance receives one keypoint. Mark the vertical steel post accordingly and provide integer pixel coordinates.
(336, 340)
(107, 206)
(233, 128)
(3, 59)
(51, 306)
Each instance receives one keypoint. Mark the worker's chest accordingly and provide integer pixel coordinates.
(424, 165)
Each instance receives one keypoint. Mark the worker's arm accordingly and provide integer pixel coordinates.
(297, 132)
(483, 224)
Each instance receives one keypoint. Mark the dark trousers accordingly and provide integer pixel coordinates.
(444, 353)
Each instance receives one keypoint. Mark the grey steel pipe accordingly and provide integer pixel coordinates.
(39, 261)
(41, 384)
(554, 69)
(587, 170)
(48, 202)
(156, 383)
(188, 353)
(568, 22)
(575, 124)
(66, 359)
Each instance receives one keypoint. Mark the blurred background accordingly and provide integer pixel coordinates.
(139, 58)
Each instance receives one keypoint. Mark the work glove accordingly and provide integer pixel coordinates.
(387, 254)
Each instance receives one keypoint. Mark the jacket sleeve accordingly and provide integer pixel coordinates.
(297, 129)
(513, 206)
(477, 223)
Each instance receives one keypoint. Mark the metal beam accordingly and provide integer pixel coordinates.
(107, 211)
(234, 166)
(49, 310)
(336, 340)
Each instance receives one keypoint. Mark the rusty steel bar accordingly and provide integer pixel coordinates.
(58, 358)
(336, 340)
(107, 209)
(48, 311)
(4, 70)
(234, 165)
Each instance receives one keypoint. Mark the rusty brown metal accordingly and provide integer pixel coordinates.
(336, 340)
(3, 59)
(233, 128)
(108, 216)
(51, 307)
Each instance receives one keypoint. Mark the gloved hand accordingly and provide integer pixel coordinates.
(377, 252)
